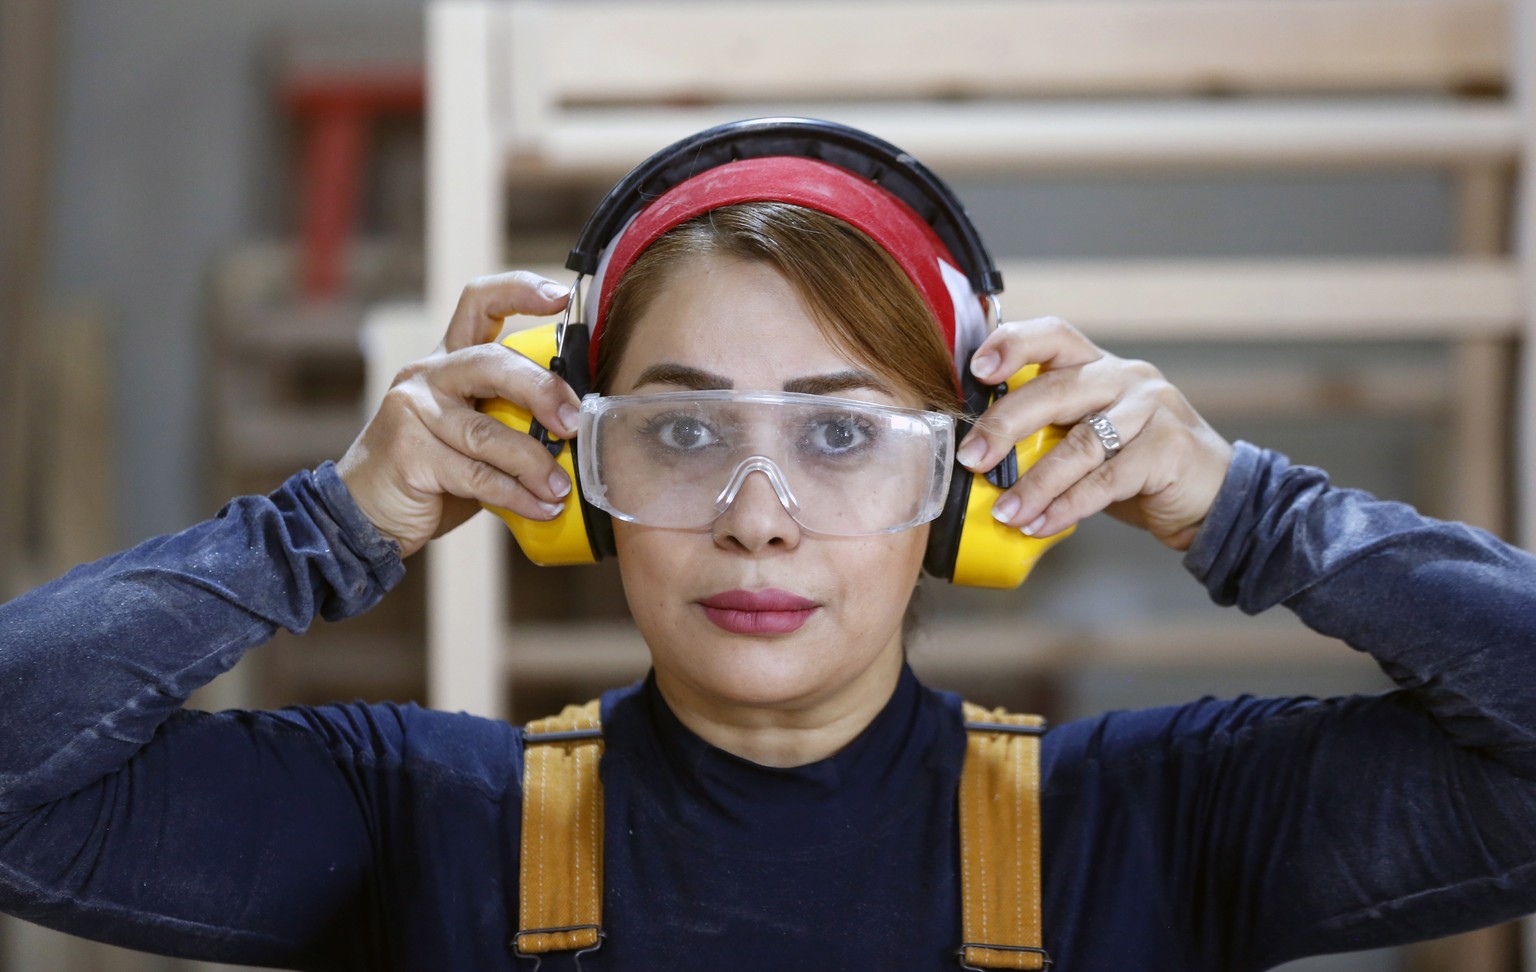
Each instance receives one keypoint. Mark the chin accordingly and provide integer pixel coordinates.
(765, 684)
(765, 672)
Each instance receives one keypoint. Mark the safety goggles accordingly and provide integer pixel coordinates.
(839, 467)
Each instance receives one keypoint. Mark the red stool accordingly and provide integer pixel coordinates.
(335, 110)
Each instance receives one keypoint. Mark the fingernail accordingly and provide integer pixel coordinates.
(559, 483)
(971, 452)
(570, 417)
(982, 365)
(552, 510)
(1038, 522)
(553, 290)
(1004, 509)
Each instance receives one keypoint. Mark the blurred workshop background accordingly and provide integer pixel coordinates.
(224, 225)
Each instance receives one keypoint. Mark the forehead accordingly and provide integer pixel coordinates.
(733, 317)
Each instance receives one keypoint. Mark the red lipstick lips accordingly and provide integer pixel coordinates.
(758, 612)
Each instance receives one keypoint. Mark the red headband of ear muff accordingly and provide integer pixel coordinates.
(811, 183)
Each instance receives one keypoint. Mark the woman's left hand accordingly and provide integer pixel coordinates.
(1163, 479)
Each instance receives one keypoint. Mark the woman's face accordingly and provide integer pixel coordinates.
(755, 612)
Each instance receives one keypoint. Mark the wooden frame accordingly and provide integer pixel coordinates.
(586, 53)
(535, 91)
(513, 101)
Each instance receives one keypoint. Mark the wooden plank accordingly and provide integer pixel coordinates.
(700, 52)
(466, 568)
(463, 191)
(1241, 300)
(1022, 137)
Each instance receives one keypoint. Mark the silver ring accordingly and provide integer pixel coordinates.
(1105, 430)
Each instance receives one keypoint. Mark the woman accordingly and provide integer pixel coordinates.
(780, 793)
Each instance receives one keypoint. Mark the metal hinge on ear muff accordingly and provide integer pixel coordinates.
(572, 342)
(1006, 472)
(539, 432)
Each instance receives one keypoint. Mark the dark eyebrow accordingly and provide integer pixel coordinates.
(682, 376)
(835, 382)
(696, 379)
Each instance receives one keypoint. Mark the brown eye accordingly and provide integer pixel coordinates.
(834, 436)
(682, 433)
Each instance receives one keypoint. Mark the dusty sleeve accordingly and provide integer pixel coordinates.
(238, 836)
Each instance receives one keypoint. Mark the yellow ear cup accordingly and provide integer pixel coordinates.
(564, 539)
(991, 554)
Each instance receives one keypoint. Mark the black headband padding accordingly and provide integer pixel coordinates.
(841, 145)
(944, 532)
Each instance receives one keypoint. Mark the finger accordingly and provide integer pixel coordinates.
(1104, 485)
(482, 438)
(462, 476)
(1059, 397)
(1047, 341)
(1169, 458)
(492, 371)
(1079, 457)
(488, 301)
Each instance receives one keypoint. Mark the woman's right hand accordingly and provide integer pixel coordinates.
(428, 458)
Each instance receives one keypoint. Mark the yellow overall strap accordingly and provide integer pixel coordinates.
(1000, 841)
(561, 878)
(561, 884)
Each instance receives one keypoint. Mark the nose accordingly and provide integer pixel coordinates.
(756, 517)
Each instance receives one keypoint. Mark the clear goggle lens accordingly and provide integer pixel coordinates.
(838, 466)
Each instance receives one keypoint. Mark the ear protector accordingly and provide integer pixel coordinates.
(842, 172)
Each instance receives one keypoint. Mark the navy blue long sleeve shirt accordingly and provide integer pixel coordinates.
(1218, 835)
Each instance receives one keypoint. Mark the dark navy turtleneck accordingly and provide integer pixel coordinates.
(716, 862)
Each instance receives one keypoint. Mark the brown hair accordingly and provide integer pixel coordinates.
(861, 300)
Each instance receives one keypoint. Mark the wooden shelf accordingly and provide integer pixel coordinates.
(982, 138)
(1340, 299)
(1170, 85)
(993, 49)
